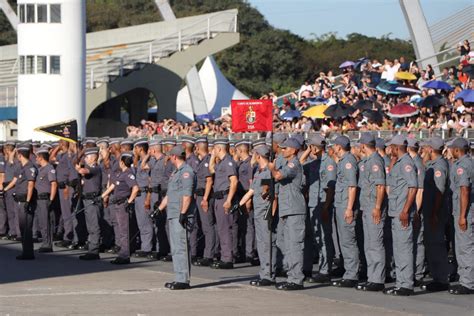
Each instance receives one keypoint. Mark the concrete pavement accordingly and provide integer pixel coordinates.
(60, 284)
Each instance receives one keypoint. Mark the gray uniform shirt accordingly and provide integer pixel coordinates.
(202, 172)
(346, 177)
(372, 176)
(402, 177)
(124, 181)
(420, 171)
(181, 183)
(93, 180)
(223, 170)
(245, 171)
(260, 206)
(46, 175)
(143, 175)
(290, 197)
(27, 173)
(462, 175)
(320, 174)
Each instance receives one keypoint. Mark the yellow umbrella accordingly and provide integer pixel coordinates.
(316, 112)
(404, 75)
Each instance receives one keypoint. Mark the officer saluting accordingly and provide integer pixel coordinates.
(26, 199)
(92, 181)
(462, 178)
(260, 191)
(47, 186)
(292, 213)
(124, 189)
(178, 201)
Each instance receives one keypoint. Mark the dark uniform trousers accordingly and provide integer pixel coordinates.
(92, 214)
(263, 246)
(122, 238)
(13, 221)
(66, 211)
(162, 243)
(45, 224)
(208, 228)
(3, 217)
(294, 232)
(225, 224)
(436, 251)
(26, 225)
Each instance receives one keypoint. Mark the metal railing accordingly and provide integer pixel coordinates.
(8, 97)
(206, 28)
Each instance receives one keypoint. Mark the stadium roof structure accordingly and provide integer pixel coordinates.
(218, 92)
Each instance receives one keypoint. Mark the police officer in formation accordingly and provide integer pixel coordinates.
(392, 206)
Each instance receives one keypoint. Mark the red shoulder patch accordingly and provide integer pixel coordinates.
(186, 175)
(330, 168)
(362, 168)
(408, 168)
(460, 171)
(348, 166)
(437, 174)
(375, 168)
(291, 165)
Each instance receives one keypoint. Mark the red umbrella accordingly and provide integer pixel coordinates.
(403, 110)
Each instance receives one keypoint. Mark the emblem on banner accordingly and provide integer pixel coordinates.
(251, 115)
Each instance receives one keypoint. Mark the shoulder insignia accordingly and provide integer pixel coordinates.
(186, 175)
(375, 168)
(206, 165)
(362, 168)
(53, 171)
(291, 165)
(117, 183)
(330, 168)
(437, 174)
(230, 163)
(348, 166)
(408, 168)
(460, 171)
(132, 177)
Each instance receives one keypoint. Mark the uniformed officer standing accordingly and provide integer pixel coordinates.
(462, 178)
(435, 213)
(261, 192)
(292, 213)
(204, 202)
(91, 190)
(403, 185)
(12, 167)
(46, 186)
(320, 171)
(225, 188)
(124, 189)
(143, 205)
(372, 194)
(245, 228)
(3, 210)
(344, 200)
(178, 201)
(418, 222)
(25, 197)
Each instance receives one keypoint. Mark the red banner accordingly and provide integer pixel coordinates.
(252, 115)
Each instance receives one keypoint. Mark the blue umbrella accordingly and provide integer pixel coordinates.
(346, 64)
(388, 87)
(291, 115)
(467, 95)
(315, 100)
(361, 61)
(436, 84)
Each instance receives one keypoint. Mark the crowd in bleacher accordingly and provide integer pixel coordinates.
(367, 91)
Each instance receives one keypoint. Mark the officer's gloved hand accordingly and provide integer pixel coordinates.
(2, 193)
(183, 219)
(50, 206)
(235, 208)
(98, 200)
(28, 208)
(130, 207)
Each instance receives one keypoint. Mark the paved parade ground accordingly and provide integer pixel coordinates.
(60, 284)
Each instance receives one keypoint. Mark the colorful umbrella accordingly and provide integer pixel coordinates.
(373, 115)
(404, 75)
(338, 110)
(316, 112)
(403, 110)
(346, 64)
(431, 101)
(436, 84)
(291, 115)
(408, 90)
(388, 87)
(467, 95)
(315, 100)
(362, 105)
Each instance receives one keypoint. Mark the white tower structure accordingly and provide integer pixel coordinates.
(52, 50)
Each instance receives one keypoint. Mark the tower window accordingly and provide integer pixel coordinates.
(55, 65)
(22, 65)
(55, 13)
(30, 65)
(41, 65)
(21, 10)
(42, 10)
(30, 13)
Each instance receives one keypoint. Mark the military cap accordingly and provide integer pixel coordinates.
(90, 140)
(201, 139)
(258, 142)
(91, 151)
(177, 151)
(398, 140)
(168, 141)
(36, 144)
(188, 139)
(114, 141)
(316, 140)
(299, 138)
(126, 154)
(343, 141)
(141, 141)
(126, 141)
(154, 142)
(46, 145)
(242, 142)
(103, 141)
(367, 139)
(459, 143)
(435, 142)
(232, 143)
(263, 151)
(42, 150)
(413, 142)
(221, 141)
(279, 138)
(291, 143)
(23, 147)
(10, 143)
(380, 143)
(210, 142)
